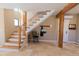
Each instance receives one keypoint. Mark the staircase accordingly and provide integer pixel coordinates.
(12, 42)
(40, 17)
(37, 20)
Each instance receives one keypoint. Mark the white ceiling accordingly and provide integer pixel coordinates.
(74, 10)
(35, 6)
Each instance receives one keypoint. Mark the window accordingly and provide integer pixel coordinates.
(16, 22)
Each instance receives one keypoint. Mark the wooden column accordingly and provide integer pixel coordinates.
(61, 28)
(19, 31)
(24, 21)
(19, 36)
(24, 28)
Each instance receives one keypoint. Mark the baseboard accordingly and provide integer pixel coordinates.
(54, 42)
(72, 42)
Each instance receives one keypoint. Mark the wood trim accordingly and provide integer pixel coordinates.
(66, 8)
(61, 28)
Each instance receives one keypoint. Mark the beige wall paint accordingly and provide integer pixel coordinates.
(77, 35)
(7, 23)
(2, 31)
(72, 33)
(52, 32)
(9, 16)
(30, 14)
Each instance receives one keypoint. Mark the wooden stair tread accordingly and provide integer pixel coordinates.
(16, 34)
(13, 41)
(11, 44)
(17, 37)
(6, 46)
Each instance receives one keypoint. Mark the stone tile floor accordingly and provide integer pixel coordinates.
(45, 49)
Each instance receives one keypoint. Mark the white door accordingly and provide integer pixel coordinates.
(66, 30)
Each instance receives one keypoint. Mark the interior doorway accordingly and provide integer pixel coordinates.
(66, 30)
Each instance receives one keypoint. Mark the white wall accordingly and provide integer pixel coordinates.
(2, 33)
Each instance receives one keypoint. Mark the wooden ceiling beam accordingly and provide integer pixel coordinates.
(66, 8)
